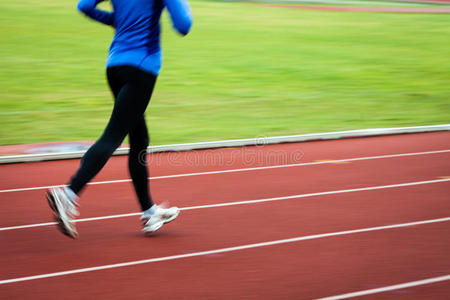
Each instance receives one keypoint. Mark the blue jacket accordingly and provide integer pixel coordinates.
(136, 41)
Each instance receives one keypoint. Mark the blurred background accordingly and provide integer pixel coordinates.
(246, 70)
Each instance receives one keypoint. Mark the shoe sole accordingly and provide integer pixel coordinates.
(52, 204)
(63, 227)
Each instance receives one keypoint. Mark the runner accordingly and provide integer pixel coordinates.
(133, 64)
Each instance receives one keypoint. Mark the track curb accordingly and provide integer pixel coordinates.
(259, 141)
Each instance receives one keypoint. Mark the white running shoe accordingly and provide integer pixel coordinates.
(160, 217)
(64, 210)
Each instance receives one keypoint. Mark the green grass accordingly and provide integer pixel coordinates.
(359, 3)
(244, 71)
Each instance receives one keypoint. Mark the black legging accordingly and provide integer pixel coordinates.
(132, 89)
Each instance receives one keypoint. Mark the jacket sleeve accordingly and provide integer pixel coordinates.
(88, 7)
(180, 14)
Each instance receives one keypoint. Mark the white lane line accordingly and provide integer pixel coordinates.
(370, 188)
(223, 250)
(389, 288)
(241, 170)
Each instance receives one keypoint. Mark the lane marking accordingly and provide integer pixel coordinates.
(370, 188)
(330, 161)
(241, 170)
(221, 250)
(389, 288)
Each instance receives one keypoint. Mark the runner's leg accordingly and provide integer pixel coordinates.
(130, 105)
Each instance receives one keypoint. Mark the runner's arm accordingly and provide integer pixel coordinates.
(88, 7)
(180, 14)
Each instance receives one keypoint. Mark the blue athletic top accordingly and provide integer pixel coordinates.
(136, 41)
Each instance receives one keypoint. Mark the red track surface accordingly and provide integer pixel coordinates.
(305, 269)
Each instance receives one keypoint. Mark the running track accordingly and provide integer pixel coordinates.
(289, 221)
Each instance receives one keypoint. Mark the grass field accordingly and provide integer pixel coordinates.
(244, 71)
